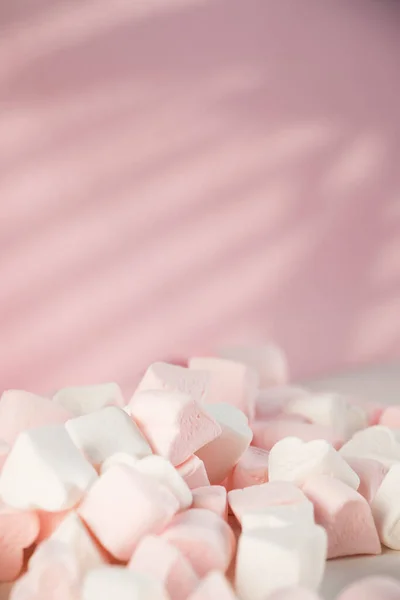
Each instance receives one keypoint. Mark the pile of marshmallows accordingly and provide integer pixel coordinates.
(215, 481)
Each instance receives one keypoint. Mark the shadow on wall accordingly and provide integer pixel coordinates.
(177, 174)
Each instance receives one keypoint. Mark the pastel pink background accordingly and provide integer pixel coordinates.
(178, 173)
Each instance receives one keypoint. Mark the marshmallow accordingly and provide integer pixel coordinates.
(271, 402)
(377, 442)
(268, 360)
(373, 410)
(268, 433)
(4, 450)
(122, 584)
(49, 521)
(45, 470)
(294, 593)
(293, 460)
(212, 497)
(276, 557)
(193, 472)
(251, 469)
(221, 454)
(102, 433)
(123, 505)
(256, 499)
(175, 425)
(391, 417)
(74, 534)
(204, 538)
(371, 473)
(386, 509)
(279, 516)
(160, 560)
(372, 588)
(173, 378)
(119, 458)
(18, 530)
(231, 382)
(345, 515)
(215, 586)
(163, 471)
(20, 411)
(82, 400)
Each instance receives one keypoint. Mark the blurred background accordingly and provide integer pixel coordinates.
(177, 174)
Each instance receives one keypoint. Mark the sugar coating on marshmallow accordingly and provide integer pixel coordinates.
(231, 382)
(371, 473)
(293, 460)
(221, 454)
(345, 515)
(193, 471)
(268, 433)
(21, 411)
(251, 469)
(158, 559)
(165, 473)
(372, 588)
(279, 516)
(377, 442)
(102, 433)
(173, 378)
(18, 530)
(257, 498)
(212, 497)
(268, 360)
(293, 554)
(45, 470)
(386, 508)
(215, 586)
(271, 402)
(108, 582)
(107, 509)
(81, 400)
(175, 425)
(205, 539)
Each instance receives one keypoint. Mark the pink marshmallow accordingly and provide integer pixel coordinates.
(390, 417)
(123, 505)
(372, 588)
(268, 360)
(193, 471)
(154, 556)
(252, 469)
(268, 433)
(18, 530)
(4, 450)
(271, 402)
(212, 497)
(205, 539)
(21, 410)
(345, 515)
(214, 586)
(293, 593)
(231, 382)
(173, 378)
(49, 521)
(175, 425)
(256, 498)
(373, 410)
(371, 473)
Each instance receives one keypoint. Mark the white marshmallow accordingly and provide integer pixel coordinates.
(161, 469)
(277, 557)
(45, 470)
(386, 509)
(279, 516)
(73, 532)
(81, 400)
(102, 433)
(267, 359)
(120, 583)
(119, 458)
(222, 454)
(377, 442)
(291, 459)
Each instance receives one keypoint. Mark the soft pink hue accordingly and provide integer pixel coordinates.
(175, 174)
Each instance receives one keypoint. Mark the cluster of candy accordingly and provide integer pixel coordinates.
(217, 480)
